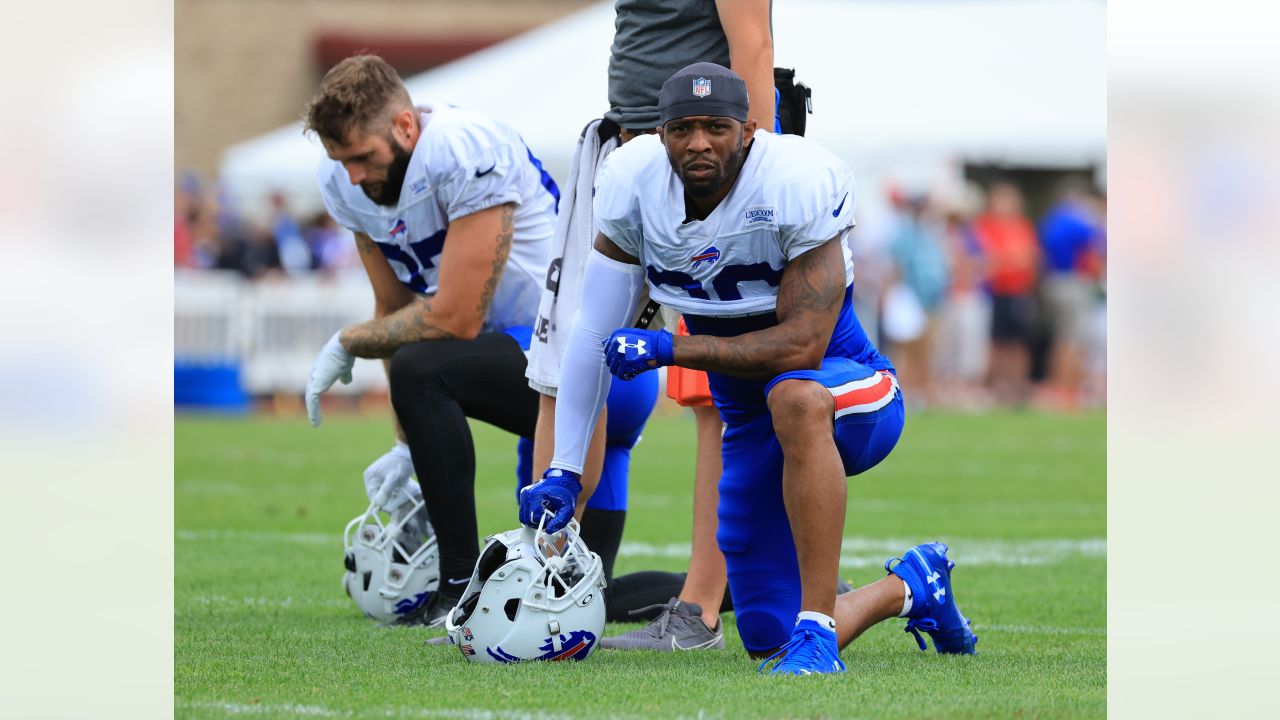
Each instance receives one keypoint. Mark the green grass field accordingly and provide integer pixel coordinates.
(262, 627)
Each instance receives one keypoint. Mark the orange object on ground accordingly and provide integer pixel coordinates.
(689, 388)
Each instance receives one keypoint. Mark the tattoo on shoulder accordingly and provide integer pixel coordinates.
(365, 244)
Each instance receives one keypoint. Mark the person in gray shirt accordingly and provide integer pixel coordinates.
(652, 40)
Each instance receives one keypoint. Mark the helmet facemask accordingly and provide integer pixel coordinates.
(393, 566)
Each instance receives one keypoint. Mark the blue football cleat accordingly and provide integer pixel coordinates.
(927, 571)
(812, 650)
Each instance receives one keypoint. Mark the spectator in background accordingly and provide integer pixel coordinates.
(1068, 234)
(1094, 389)
(291, 247)
(332, 246)
(249, 250)
(921, 269)
(963, 345)
(1008, 240)
(183, 245)
(195, 231)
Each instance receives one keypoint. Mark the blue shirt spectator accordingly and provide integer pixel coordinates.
(1067, 231)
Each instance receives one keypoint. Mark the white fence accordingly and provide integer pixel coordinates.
(272, 328)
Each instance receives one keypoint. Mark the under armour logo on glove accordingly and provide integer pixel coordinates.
(631, 351)
(623, 347)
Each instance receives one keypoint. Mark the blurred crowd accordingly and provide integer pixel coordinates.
(976, 303)
(209, 234)
(980, 305)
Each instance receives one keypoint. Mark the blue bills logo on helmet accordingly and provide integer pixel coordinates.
(709, 256)
(502, 656)
(701, 87)
(576, 646)
(408, 605)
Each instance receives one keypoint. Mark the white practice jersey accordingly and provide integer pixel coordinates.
(464, 162)
(790, 197)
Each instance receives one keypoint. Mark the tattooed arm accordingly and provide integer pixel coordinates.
(809, 300)
(389, 295)
(475, 252)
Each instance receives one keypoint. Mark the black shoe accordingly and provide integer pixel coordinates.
(432, 613)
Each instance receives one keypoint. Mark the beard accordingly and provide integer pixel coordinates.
(710, 185)
(387, 192)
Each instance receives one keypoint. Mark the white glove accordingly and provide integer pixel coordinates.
(333, 363)
(388, 475)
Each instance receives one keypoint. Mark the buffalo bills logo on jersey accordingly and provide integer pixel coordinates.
(701, 87)
(398, 228)
(709, 256)
(408, 605)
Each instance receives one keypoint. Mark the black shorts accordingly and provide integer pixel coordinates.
(1013, 317)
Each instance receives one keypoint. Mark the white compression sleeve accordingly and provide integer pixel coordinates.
(610, 294)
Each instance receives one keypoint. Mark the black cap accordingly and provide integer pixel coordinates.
(703, 89)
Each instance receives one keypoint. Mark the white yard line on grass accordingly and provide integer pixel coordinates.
(276, 710)
(1041, 629)
(284, 602)
(855, 552)
(264, 709)
(256, 536)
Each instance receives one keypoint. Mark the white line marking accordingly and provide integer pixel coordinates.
(859, 552)
(334, 538)
(856, 552)
(275, 710)
(264, 709)
(1041, 629)
(284, 602)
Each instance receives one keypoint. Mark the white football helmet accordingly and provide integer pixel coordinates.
(393, 569)
(532, 596)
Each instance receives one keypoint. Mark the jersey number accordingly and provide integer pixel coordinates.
(417, 260)
(725, 283)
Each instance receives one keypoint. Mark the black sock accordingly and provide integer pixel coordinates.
(602, 532)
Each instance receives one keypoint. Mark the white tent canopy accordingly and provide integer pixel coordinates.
(898, 86)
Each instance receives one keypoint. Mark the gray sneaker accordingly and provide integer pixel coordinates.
(679, 627)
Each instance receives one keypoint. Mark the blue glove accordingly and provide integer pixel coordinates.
(558, 492)
(631, 351)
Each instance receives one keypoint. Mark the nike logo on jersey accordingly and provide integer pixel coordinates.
(836, 212)
(451, 581)
(482, 173)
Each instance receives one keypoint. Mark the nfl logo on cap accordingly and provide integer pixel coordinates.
(701, 87)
